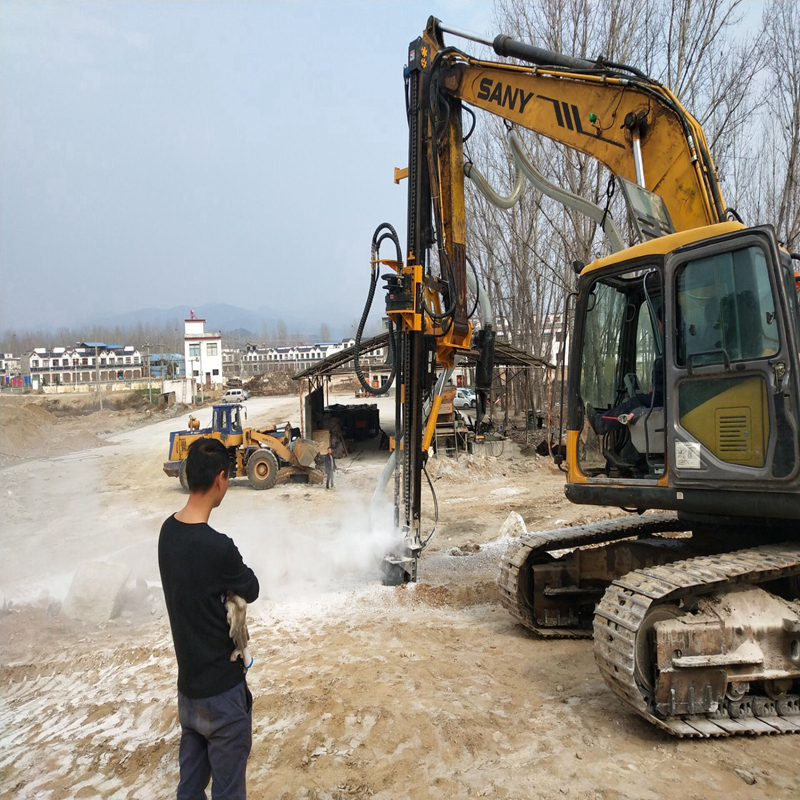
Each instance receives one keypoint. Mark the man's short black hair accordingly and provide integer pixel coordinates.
(206, 459)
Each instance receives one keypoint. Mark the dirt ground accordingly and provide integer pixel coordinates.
(35, 426)
(361, 690)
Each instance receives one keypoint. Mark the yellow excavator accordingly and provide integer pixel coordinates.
(682, 388)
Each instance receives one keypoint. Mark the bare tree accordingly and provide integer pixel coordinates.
(525, 255)
(779, 185)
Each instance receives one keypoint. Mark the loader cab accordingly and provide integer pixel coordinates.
(714, 317)
(226, 422)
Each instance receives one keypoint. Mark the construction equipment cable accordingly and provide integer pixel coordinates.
(382, 232)
(435, 509)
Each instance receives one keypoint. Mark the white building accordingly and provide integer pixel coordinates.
(70, 365)
(231, 362)
(203, 352)
(257, 359)
(9, 365)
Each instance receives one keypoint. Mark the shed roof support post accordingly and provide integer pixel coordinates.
(300, 388)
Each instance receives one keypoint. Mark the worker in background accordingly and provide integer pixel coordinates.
(329, 465)
(199, 567)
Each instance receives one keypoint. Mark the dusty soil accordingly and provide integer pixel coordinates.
(41, 426)
(360, 690)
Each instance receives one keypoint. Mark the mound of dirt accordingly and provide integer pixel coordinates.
(31, 431)
(271, 384)
(82, 405)
(478, 468)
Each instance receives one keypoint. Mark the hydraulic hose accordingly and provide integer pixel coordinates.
(481, 298)
(525, 168)
(472, 172)
(564, 196)
(382, 232)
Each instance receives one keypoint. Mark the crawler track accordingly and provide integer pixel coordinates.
(626, 602)
(525, 551)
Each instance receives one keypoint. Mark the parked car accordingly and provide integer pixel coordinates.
(465, 398)
(235, 396)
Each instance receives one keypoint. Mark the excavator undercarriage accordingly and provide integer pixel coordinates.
(696, 635)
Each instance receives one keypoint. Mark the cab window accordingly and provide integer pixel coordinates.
(604, 315)
(646, 348)
(725, 308)
(793, 293)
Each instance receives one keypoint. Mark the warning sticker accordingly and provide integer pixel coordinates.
(687, 455)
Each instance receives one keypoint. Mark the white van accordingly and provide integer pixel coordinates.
(465, 398)
(235, 396)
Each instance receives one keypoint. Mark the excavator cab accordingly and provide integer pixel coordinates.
(686, 389)
(622, 375)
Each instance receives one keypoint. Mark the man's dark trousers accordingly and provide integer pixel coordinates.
(216, 737)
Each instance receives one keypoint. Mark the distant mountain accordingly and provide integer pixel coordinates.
(218, 316)
(240, 334)
(240, 324)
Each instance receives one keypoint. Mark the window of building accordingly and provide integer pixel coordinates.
(102, 362)
(85, 362)
(195, 373)
(215, 372)
(194, 350)
(136, 359)
(211, 349)
(34, 362)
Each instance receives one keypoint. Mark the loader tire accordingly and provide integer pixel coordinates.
(262, 469)
(182, 477)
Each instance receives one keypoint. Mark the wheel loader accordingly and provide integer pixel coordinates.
(265, 457)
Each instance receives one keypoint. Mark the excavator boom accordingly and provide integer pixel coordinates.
(630, 123)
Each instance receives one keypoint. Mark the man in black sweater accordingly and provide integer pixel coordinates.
(199, 568)
(329, 465)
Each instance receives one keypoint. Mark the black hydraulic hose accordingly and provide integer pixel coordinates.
(391, 233)
(382, 232)
(474, 121)
(435, 509)
(626, 67)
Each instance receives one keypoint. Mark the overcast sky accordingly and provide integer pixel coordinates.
(155, 154)
(163, 153)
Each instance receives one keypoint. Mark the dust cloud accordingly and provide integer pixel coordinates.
(298, 555)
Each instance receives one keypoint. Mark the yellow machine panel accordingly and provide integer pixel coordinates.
(733, 423)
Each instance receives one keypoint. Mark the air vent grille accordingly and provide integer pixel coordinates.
(733, 429)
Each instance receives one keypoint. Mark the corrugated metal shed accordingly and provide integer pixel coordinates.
(505, 355)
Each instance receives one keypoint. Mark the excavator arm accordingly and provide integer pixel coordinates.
(630, 123)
